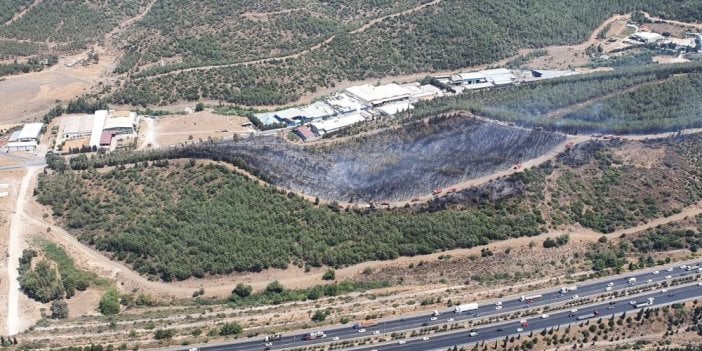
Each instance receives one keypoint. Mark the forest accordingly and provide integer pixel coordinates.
(424, 41)
(176, 221)
(74, 24)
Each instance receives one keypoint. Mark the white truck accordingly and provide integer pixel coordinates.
(648, 302)
(435, 313)
(567, 289)
(691, 268)
(465, 307)
(632, 281)
(529, 299)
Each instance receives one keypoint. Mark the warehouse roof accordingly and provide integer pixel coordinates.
(290, 114)
(319, 109)
(469, 76)
(77, 124)
(499, 76)
(336, 123)
(267, 118)
(394, 108)
(648, 37)
(379, 94)
(14, 136)
(345, 103)
(98, 124)
(30, 131)
(119, 123)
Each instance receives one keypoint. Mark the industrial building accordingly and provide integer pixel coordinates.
(646, 37)
(381, 94)
(344, 103)
(25, 139)
(333, 124)
(76, 127)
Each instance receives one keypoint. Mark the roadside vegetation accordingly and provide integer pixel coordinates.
(50, 274)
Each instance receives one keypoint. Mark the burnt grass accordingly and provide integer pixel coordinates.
(393, 165)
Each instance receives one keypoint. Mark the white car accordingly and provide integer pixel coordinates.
(426, 338)
(376, 332)
(668, 277)
(609, 288)
(683, 266)
(670, 269)
(498, 303)
(402, 342)
(649, 281)
(610, 284)
(575, 297)
(433, 318)
(498, 307)
(450, 320)
(335, 338)
(269, 344)
(544, 316)
(519, 330)
(664, 290)
(472, 334)
(361, 330)
(632, 302)
(656, 272)
(699, 284)
(574, 310)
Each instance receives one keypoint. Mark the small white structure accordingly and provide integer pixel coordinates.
(646, 37)
(377, 95)
(336, 123)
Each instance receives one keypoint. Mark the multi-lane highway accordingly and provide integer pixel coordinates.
(510, 304)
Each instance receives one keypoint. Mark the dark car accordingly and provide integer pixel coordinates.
(499, 329)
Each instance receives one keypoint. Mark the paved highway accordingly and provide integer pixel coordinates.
(536, 324)
(510, 304)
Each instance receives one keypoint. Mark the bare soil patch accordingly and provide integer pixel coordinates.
(199, 126)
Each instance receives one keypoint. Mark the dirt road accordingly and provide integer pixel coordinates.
(16, 243)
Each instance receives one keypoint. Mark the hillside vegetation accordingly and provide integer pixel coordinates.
(426, 40)
(646, 99)
(175, 222)
(180, 220)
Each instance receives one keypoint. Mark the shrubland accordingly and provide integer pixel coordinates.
(426, 40)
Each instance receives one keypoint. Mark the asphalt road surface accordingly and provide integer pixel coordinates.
(586, 289)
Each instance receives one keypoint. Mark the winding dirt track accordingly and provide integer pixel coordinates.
(300, 53)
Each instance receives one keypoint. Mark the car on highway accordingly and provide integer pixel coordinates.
(610, 284)
(519, 330)
(500, 329)
(699, 284)
(376, 332)
(683, 266)
(426, 338)
(402, 342)
(433, 318)
(668, 277)
(544, 316)
(656, 272)
(609, 288)
(649, 281)
(664, 290)
(632, 302)
(498, 307)
(671, 295)
(575, 297)
(425, 324)
(450, 320)
(336, 338)
(670, 269)
(472, 334)
(362, 330)
(498, 303)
